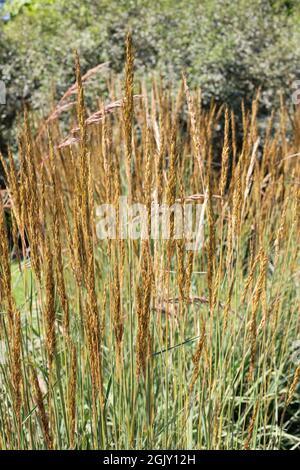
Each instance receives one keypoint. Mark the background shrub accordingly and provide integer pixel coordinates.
(229, 48)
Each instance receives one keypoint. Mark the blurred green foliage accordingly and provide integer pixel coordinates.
(228, 47)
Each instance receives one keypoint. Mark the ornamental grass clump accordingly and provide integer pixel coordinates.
(152, 342)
